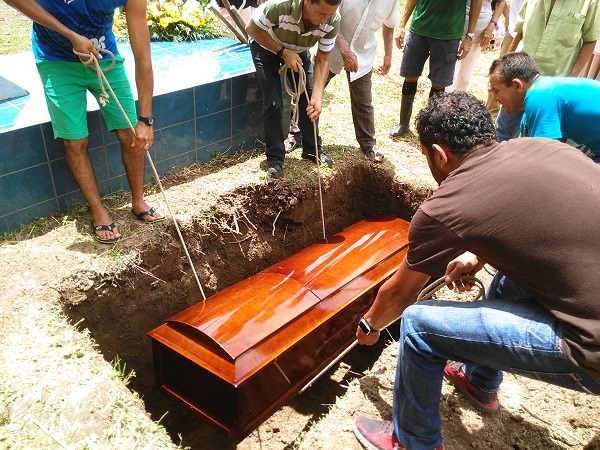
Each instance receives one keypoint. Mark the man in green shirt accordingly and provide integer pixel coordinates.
(560, 37)
(436, 32)
(282, 32)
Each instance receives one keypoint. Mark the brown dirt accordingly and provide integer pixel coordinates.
(75, 362)
(71, 307)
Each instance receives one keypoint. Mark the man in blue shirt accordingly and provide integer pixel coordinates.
(563, 108)
(84, 26)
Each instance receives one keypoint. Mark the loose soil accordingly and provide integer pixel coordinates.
(75, 366)
(71, 308)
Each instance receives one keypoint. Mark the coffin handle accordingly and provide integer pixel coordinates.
(282, 372)
(327, 367)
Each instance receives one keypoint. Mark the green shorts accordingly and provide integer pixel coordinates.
(65, 86)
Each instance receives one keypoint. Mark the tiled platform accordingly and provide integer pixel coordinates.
(207, 101)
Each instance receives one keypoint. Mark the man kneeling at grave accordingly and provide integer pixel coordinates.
(530, 207)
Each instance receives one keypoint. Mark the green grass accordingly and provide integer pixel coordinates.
(15, 31)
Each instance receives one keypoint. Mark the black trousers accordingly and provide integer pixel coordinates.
(267, 66)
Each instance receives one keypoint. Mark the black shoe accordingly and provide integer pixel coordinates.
(323, 159)
(276, 171)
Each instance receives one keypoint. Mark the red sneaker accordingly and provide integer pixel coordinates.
(482, 401)
(377, 434)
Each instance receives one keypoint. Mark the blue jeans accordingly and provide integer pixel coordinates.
(507, 331)
(508, 126)
(267, 66)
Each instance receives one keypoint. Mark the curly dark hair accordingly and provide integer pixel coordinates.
(515, 65)
(456, 120)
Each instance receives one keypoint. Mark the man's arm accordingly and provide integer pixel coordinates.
(348, 56)
(321, 72)
(394, 296)
(584, 56)
(401, 34)
(37, 13)
(139, 38)
(290, 58)
(513, 44)
(388, 48)
(465, 44)
(488, 32)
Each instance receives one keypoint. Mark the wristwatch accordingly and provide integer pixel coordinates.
(148, 120)
(365, 327)
(471, 35)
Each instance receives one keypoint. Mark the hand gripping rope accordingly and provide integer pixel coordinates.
(428, 291)
(425, 294)
(295, 94)
(92, 63)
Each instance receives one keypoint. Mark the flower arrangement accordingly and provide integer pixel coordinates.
(175, 20)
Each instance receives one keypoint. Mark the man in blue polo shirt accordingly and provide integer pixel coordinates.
(563, 108)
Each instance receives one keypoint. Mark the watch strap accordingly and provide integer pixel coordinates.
(366, 327)
(280, 52)
(148, 120)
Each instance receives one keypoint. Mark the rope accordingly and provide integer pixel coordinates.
(92, 63)
(295, 94)
(428, 291)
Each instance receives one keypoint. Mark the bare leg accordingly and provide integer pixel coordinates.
(81, 168)
(133, 160)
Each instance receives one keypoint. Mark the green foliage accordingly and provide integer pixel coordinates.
(120, 368)
(175, 20)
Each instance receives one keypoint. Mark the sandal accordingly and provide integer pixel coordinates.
(374, 155)
(140, 216)
(104, 228)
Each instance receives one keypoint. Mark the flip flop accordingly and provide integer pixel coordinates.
(140, 216)
(374, 155)
(104, 228)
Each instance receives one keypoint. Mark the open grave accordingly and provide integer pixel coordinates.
(252, 228)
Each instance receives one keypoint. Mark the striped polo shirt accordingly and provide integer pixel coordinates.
(282, 19)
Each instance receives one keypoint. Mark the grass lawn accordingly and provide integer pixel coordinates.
(15, 31)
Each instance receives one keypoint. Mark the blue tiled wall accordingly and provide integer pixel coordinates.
(193, 124)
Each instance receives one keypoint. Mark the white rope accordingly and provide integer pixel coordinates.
(295, 94)
(428, 291)
(92, 63)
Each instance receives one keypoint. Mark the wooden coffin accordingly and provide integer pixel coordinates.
(246, 351)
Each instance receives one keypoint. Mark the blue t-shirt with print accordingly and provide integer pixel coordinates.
(90, 18)
(564, 108)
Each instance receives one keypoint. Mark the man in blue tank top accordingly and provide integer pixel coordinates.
(62, 28)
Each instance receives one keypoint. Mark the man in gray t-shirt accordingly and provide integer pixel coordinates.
(529, 207)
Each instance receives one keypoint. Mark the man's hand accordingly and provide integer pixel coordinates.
(292, 60)
(314, 109)
(350, 61)
(144, 137)
(369, 339)
(465, 264)
(83, 45)
(384, 68)
(400, 35)
(464, 48)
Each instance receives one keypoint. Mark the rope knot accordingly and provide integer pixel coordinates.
(92, 63)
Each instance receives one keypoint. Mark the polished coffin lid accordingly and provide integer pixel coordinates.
(239, 330)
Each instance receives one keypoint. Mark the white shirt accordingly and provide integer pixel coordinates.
(360, 20)
(513, 13)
